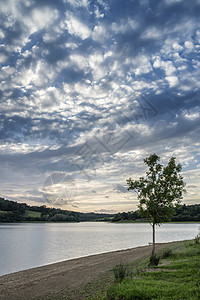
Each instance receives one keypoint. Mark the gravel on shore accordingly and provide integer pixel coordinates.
(38, 283)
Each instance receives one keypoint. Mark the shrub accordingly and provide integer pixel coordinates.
(167, 253)
(119, 272)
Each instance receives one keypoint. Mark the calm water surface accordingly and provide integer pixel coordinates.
(24, 246)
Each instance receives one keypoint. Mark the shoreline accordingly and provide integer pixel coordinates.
(50, 280)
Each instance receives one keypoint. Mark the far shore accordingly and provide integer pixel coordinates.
(50, 280)
(97, 221)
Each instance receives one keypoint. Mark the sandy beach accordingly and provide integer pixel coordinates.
(50, 280)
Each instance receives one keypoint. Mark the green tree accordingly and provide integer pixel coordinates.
(159, 192)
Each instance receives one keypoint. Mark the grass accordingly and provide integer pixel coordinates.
(28, 213)
(178, 277)
(3, 212)
(33, 214)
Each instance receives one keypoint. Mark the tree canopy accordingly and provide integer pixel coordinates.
(159, 192)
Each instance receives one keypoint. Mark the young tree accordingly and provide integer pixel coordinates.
(159, 192)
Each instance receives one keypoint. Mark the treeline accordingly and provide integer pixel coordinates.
(99, 217)
(11, 211)
(186, 213)
(126, 216)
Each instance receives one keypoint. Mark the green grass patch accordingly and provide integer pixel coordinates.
(33, 214)
(3, 212)
(178, 277)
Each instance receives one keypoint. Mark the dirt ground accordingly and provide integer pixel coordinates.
(48, 280)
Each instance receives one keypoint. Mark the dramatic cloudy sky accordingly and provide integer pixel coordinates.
(88, 90)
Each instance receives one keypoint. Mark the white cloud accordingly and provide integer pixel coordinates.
(169, 2)
(98, 13)
(3, 58)
(167, 66)
(10, 7)
(189, 45)
(108, 77)
(21, 147)
(71, 45)
(95, 61)
(176, 46)
(2, 35)
(77, 3)
(142, 65)
(151, 33)
(192, 115)
(124, 26)
(76, 27)
(8, 70)
(140, 85)
(41, 18)
(80, 61)
(157, 62)
(172, 80)
(36, 76)
(53, 34)
(92, 93)
(36, 20)
(100, 33)
(197, 38)
(191, 178)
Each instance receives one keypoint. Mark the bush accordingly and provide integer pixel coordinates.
(167, 253)
(197, 239)
(120, 272)
(154, 260)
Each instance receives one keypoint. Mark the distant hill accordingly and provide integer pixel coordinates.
(184, 213)
(11, 211)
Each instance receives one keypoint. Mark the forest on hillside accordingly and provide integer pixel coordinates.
(183, 213)
(11, 211)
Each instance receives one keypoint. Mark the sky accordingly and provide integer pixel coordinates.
(91, 88)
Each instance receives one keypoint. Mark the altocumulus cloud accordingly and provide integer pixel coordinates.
(88, 90)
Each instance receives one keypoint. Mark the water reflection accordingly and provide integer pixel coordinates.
(25, 246)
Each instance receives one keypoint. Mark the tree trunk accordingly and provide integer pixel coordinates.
(153, 249)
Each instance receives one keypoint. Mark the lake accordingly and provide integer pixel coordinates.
(28, 245)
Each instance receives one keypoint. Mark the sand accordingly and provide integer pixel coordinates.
(38, 283)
